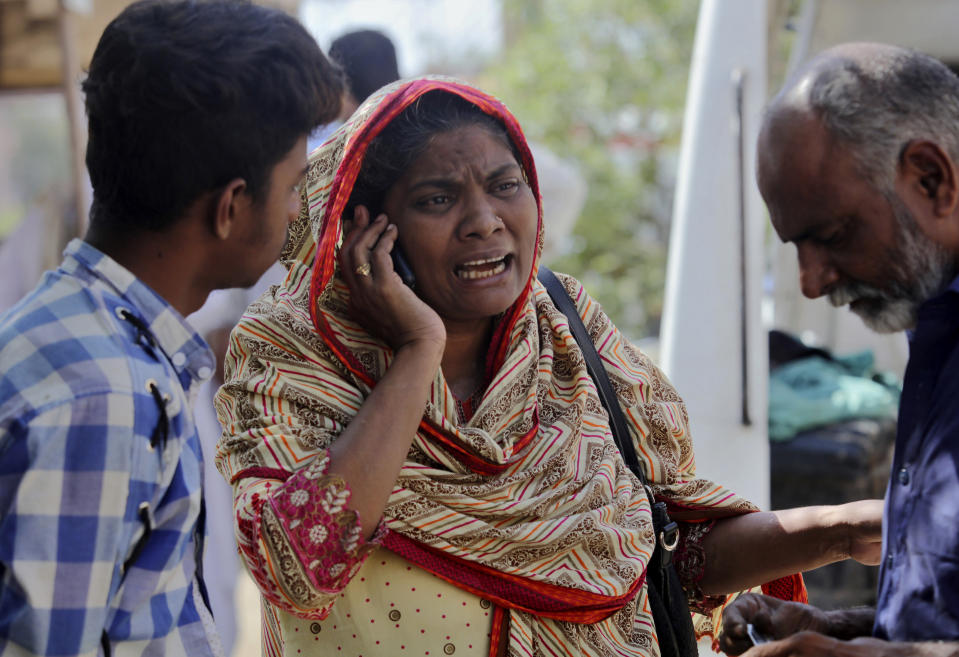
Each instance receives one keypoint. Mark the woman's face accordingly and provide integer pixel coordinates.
(467, 224)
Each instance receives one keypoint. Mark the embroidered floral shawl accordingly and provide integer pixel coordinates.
(528, 504)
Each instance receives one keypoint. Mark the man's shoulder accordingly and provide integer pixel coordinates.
(60, 342)
(943, 357)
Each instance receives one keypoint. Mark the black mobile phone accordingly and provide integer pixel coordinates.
(402, 267)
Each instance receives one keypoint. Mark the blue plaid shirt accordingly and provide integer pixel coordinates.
(100, 468)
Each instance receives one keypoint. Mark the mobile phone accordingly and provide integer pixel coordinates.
(401, 266)
(757, 637)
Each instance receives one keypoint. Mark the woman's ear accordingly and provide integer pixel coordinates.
(231, 202)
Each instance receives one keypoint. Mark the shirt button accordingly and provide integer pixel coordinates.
(889, 561)
(178, 359)
(904, 476)
(204, 372)
(449, 649)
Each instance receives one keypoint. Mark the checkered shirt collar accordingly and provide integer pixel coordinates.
(184, 347)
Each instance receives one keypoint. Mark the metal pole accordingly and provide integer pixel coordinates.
(739, 84)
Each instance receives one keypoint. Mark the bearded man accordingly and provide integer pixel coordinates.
(858, 167)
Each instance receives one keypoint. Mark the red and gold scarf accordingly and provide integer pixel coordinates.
(528, 503)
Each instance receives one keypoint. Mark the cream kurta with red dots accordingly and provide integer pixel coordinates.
(392, 607)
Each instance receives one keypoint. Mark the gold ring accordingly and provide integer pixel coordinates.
(363, 270)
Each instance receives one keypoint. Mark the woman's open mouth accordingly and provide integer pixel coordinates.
(479, 269)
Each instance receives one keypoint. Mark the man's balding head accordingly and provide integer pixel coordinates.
(856, 161)
(873, 99)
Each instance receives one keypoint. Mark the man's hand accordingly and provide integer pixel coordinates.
(770, 616)
(811, 644)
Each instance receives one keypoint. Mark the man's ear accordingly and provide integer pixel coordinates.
(927, 180)
(231, 202)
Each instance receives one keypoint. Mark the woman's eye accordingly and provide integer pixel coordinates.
(506, 185)
(436, 199)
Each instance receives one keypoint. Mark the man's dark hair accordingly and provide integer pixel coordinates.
(394, 150)
(184, 96)
(368, 60)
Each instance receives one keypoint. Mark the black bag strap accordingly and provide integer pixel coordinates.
(674, 625)
(617, 421)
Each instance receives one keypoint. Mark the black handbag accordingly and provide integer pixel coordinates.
(667, 600)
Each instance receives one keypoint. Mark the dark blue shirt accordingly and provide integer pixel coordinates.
(919, 575)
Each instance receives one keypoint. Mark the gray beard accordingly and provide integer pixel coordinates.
(919, 269)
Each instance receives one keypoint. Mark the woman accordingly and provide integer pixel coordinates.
(435, 460)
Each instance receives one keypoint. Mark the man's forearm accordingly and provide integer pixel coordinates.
(931, 649)
(877, 648)
(849, 624)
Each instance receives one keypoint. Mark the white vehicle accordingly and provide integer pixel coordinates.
(717, 308)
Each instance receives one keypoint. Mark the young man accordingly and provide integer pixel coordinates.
(198, 117)
(859, 167)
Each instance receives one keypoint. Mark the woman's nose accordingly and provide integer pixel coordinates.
(480, 220)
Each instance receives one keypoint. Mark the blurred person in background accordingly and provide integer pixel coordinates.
(198, 117)
(367, 59)
(221, 564)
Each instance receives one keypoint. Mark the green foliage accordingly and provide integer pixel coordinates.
(10, 216)
(602, 83)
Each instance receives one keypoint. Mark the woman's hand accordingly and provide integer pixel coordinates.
(380, 301)
(863, 523)
(387, 420)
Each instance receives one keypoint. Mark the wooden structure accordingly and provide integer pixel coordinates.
(45, 45)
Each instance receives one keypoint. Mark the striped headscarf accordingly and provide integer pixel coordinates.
(529, 503)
